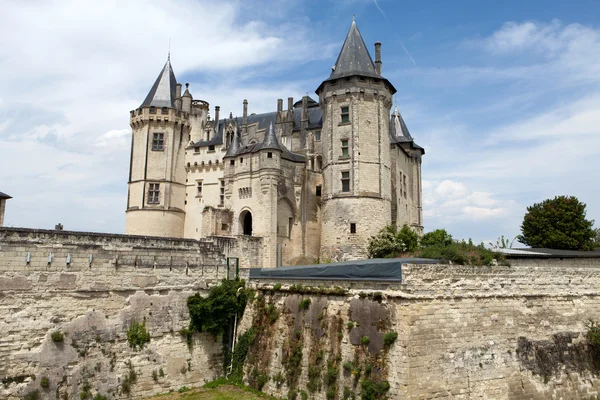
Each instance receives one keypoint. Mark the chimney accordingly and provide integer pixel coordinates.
(290, 103)
(304, 108)
(217, 109)
(378, 57)
(178, 91)
(279, 105)
(245, 118)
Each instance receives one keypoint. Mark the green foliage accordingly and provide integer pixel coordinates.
(462, 253)
(332, 374)
(85, 391)
(365, 340)
(183, 389)
(278, 378)
(277, 286)
(214, 313)
(314, 378)
(161, 373)
(558, 223)
(188, 335)
(390, 243)
(239, 355)
(372, 390)
(331, 392)
(57, 337)
(503, 243)
(303, 395)
(348, 393)
(137, 335)
(347, 366)
(130, 379)
(292, 359)
(257, 379)
(45, 382)
(350, 325)
(272, 313)
(593, 335)
(437, 237)
(34, 395)
(304, 304)
(390, 338)
(98, 396)
(154, 376)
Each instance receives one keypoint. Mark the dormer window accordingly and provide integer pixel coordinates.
(318, 136)
(211, 147)
(164, 110)
(345, 113)
(152, 110)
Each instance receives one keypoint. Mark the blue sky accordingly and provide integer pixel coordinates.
(504, 96)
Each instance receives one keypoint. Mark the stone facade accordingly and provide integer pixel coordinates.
(335, 172)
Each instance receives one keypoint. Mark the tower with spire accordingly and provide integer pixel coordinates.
(310, 181)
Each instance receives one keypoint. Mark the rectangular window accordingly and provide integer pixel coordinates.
(152, 110)
(154, 193)
(345, 181)
(158, 141)
(211, 147)
(318, 191)
(241, 160)
(345, 115)
(231, 162)
(199, 186)
(318, 136)
(164, 110)
(352, 227)
(222, 195)
(345, 152)
(196, 149)
(269, 155)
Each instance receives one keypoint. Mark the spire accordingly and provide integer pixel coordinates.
(270, 141)
(354, 58)
(234, 145)
(162, 93)
(398, 130)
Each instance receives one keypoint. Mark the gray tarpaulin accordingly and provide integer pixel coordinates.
(377, 269)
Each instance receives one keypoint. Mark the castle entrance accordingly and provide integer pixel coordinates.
(246, 220)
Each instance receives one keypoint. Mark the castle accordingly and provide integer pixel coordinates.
(313, 181)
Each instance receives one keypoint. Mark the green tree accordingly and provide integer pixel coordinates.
(390, 243)
(557, 223)
(437, 237)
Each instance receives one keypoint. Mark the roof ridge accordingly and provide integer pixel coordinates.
(162, 93)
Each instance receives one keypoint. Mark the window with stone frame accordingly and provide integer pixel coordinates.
(199, 188)
(154, 193)
(345, 181)
(345, 114)
(345, 148)
(318, 136)
(158, 141)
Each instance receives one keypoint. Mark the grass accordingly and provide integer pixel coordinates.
(221, 392)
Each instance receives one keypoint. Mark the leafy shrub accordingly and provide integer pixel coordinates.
(278, 378)
(137, 335)
(98, 396)
(390, 243)
(372, 390)
(277, 286)
(214, 313)
(437, 237)
(350, 325)
(304, 304)
(303, 395)
(272, 313)
(365, 340)
(347, 366)
(239, 355)
(161, 373)
(462, 253)
(45, 382)
(348, 394)
(154, 376)
(390, 338)
(57, 337)
(331, 392)
(314, 378)
(593, 335)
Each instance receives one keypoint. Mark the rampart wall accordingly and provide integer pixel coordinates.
(497, 332)
(91, 287)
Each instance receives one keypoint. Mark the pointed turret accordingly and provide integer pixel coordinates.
(354, 60)
(398, 130)
(235, 144)
(163, 92)
(270, 141)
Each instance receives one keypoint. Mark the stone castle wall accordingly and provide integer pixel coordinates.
(463, 332)
(93, 304)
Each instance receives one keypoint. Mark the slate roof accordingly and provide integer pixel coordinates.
(4, 196)
(398, 131)
(548, 253)
(162, 93)
(354, 60)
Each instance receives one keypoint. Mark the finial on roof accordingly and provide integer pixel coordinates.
(169, 54)
(353, 20)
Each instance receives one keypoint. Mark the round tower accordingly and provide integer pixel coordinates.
(156, 187)
(355, 102)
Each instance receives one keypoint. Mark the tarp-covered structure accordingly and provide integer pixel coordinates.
(377, 269)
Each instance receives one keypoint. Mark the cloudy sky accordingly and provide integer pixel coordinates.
(504, 96)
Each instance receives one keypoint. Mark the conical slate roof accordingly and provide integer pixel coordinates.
(270, 141)
(162, 93)
(234, 145)
(354, 58)
(398, 130)
(4, 196)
